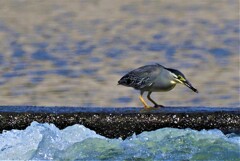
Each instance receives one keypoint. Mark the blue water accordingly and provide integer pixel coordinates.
(47, 142)
(92, 52)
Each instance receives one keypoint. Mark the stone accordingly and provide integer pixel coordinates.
(122, 122)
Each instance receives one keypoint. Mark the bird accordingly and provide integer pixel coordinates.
(154, 78)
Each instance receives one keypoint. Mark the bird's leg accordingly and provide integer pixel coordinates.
(143, 101)
(150, 99)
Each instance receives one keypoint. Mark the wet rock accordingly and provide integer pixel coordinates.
(122, 122)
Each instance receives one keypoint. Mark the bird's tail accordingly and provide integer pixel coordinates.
(124, 81)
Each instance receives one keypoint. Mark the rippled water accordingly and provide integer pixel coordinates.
(73, 53)
(47, 142)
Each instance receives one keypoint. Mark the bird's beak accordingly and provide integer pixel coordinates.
(188, 84)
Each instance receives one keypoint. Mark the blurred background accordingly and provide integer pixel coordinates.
(72, 53)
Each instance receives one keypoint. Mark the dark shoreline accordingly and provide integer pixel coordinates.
(122, 122)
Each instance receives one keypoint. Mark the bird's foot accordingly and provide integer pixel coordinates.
(154, 107)
(158, 106)
(147, 107)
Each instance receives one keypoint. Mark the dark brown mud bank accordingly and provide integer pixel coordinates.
(122, 122)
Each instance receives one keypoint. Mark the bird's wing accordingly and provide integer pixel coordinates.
(141, 77)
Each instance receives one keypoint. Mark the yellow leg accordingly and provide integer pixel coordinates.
(144, 103)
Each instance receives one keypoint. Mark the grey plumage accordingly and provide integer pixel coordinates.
(154, 78)
(146, 78)
(140, 77)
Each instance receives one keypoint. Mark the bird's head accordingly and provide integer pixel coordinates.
(178, 77)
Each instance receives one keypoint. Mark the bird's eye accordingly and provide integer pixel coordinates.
(181, 78)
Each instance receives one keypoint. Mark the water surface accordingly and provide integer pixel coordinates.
(71, 54)
(47, 142)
